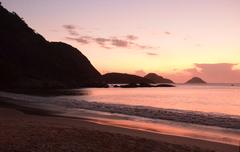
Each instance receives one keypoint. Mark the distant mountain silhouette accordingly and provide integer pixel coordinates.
(157, 79)
(142, 85)
(27, 60)
(123, 78)
(195, 80)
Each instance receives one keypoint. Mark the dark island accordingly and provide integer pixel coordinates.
(196, 80)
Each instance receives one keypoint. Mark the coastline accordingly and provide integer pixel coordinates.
(19, 125)
(182, 116)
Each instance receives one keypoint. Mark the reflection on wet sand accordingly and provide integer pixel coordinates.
(216, 134)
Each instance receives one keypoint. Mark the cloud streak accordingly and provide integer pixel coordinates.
(168, 33)
(151, 54)
(128, 41)
(81, 40)
(71, 30)
(131, 37)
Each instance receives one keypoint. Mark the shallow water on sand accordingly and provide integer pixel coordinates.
(165, 127)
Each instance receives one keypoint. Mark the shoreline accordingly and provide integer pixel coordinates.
(162, 127)
(47, 119)
(182, 116)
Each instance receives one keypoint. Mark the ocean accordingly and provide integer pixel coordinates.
(208, 112)
(219, 99)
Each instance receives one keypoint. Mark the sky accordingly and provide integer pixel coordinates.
(177, 39)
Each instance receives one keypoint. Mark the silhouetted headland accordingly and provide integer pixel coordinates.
(157, 78)
(28, 60)
(142, 85)
(124, 78)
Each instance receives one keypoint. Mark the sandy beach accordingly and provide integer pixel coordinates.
(23, 129)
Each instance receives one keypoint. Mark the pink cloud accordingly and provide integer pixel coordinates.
(131, 37)
(212, 73)
(69, 27)
(119, 43)
(168, 33)
(102, 42)
(151, 54)
(221, 72)
(71, 30)
(81, 40)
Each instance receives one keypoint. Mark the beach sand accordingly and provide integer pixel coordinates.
(31, 130)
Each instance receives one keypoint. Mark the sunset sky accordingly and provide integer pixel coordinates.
(177, 39)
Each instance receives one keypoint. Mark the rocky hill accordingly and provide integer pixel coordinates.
(157, 78)
(123, 78)
(28, 60)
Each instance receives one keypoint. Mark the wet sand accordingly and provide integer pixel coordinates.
(26, 130)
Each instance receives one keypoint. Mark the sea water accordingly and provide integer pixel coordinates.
(207, 112)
